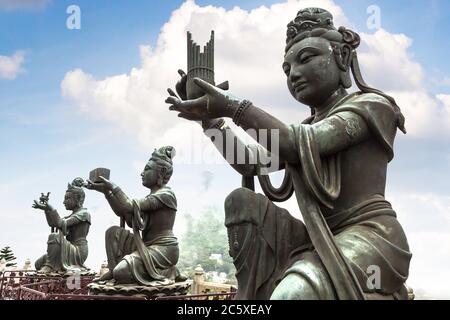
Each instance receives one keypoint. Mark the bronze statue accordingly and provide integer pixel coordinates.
(150, 259)
(67, 247)
(335, 161)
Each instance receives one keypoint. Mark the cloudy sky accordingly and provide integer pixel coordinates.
(75, 99)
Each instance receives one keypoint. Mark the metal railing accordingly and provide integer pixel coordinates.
(17, 285)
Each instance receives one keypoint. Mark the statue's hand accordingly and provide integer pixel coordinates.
(42, 206)
(215, 103)
(102, 186)
(195, 110)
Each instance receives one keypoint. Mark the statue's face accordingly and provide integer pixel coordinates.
(150, 174)
(311, 70)
(70, 201)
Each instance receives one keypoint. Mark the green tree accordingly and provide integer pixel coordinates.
(206, 235)
(9, 257)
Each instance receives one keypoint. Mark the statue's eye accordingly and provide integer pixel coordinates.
(286, 68)
(306, 57)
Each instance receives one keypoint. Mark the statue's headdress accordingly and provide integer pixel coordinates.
(317, 22)
(76, 187)
(163, 158)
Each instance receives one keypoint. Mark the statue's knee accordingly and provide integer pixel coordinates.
(111, 231)
(294, 287)
(40, 262)
(239, 199)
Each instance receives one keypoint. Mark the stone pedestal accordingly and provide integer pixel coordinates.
(149, 292)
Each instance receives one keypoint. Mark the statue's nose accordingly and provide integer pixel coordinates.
(295, 74)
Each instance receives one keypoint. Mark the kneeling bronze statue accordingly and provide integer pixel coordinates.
(67, 247)
(150, 259)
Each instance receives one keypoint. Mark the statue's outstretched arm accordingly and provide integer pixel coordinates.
(270, 132)
(273, 134)
(120, 204)
(53, 218)
(55, 221)
(245, 159)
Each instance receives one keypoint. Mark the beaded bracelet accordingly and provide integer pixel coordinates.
(239, 114)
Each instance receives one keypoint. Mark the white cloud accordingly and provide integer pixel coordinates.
(249, 49)
(426, 221)
(445, 99)
(135, 101)
(23, 4)
(11, 66)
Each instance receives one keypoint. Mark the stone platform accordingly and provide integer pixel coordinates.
(65, 274)
(149, 292)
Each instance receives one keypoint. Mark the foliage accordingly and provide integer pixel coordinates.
(9, 257)
(206, 235)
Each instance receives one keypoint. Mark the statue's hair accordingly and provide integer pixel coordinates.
(163, 158)
(317, 22)
(76, 188)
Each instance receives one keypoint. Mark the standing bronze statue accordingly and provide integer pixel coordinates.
(148, 259)
(67, 247)
(335, 161)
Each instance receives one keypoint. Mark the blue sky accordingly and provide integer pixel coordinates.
(46, 139)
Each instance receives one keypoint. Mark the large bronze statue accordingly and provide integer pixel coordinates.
(67, 247)
(335, 161)
(150, 259)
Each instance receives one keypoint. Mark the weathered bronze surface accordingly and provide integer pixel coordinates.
(67, 246)
(335, 162)
(147, 259)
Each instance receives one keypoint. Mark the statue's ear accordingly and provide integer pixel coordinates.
(346, 54)
(344, 62)
(162, 175)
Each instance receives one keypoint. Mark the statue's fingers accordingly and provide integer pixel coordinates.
(172, 93)
(195, 106)
(173, 100)
(205, 86)
(36, 205)
(48, 194)
(181, 73)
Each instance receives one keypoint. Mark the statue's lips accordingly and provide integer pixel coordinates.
(300, 86)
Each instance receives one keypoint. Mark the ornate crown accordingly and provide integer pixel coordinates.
(309, 19)
(76, 184)
(318, 22)
(164, 153)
